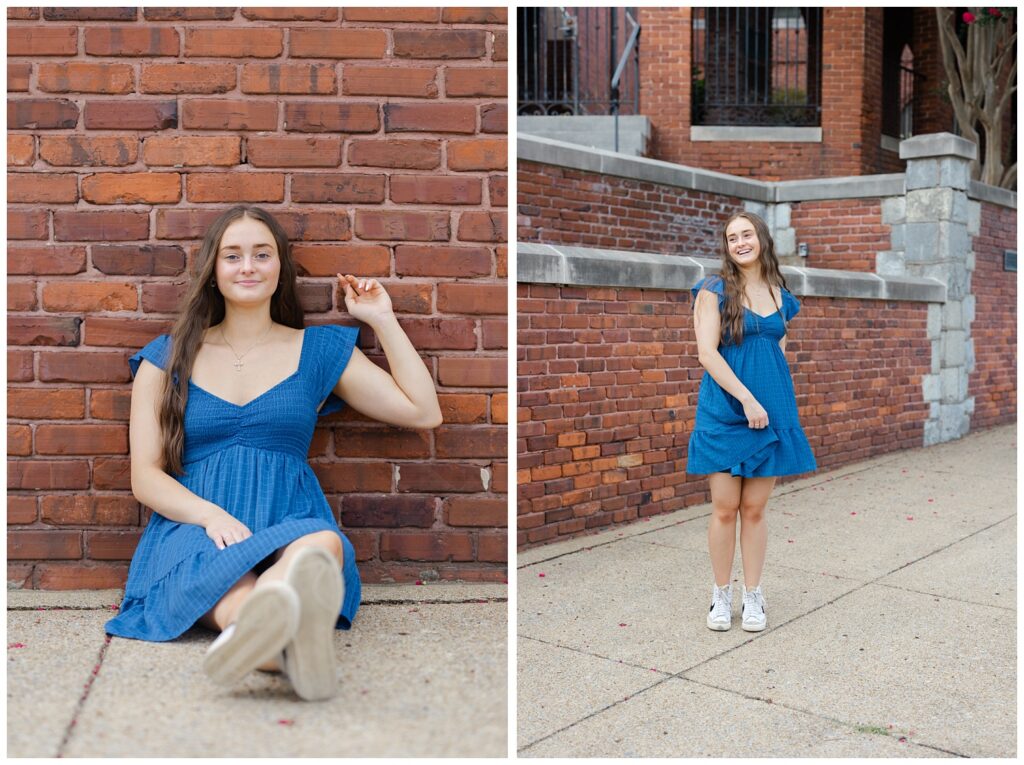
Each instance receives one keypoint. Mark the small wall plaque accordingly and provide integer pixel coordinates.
(1009, 260)
(801, 249)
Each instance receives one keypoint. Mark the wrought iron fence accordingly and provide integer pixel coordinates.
(756, 66)
(568, 59)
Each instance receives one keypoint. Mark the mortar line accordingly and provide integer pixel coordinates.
(85, 695)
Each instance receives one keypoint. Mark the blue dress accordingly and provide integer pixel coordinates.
(722, 441)
(251, 461)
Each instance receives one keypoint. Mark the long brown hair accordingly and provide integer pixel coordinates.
(732, 277)
(201, 308)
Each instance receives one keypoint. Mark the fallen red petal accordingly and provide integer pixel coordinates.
(284, 721)
(623, 624)
(541, 575)
(15, 645)
(419, 581)
(910, 517)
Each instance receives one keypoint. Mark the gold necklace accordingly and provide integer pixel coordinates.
(238, 359)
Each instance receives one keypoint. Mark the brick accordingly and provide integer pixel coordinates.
(466, 82)
(42, 330)
(21, 150)
(337, 43)
(27, 224)
(41, 114)
(424, 260)
(19, 366)
(314, 226)
(408, 226)
(499, 408)
(440, 477)
(375, 441)
(86, 77)
(475, 511)
(494, 118)
(463, 408)
(188, 14)
(411, 298)
(483, 227)
(162, 298)
(111, 545)
(499, 47)
(392, 15)
(433, 334)
(433, 189)
(501, 262)
(474, 15)
(472, 442)
(131, 188)
(297, 79)
(19, 577)
(439, 44)
(187, 78)
(138, 259)
(426, 546)
(315, 298)
(497, 189)
(224, 114)
(353, 476)
(91, 510)
(21, 296)
(81, 439)
(478, 154)
(81, 577)
(463, 297)
(104, 331)
(42, 41)
(293, 152)
(110, 404)
(77, 150)
(45, 260)
(414, 82)
(338, 188)
(494, 333)
(291, 14)
(478, 372)
(22, 13)
(103, 226)
(235, 187)
(492, 548)
(56, 188)
(192, 151)
(38, 474)
(328, 260)
(112, 473)
(429, 118)
(329, 117)
(499, 477)
(90, 14)
(184, 223)
(388, 512)
(131, 41)
(18, 77)
(131, 115)
(19, 440)
(45, 545)
(396, 153)
(75, 366)
(234, 42)
(46, 403)
(20, 509)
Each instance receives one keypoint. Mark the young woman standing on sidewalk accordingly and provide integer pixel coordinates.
(747, 432)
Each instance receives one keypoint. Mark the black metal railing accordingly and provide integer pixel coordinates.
(569, 57)
(756, 66)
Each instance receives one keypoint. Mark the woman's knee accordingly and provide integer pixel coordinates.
(752, 511)
(326, 540)
(725, 512)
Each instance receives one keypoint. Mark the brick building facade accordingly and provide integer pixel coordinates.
(377, 136)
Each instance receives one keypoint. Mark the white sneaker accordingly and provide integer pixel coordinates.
(309, 658)
(754, 617)
(720, 613)
(265, 624)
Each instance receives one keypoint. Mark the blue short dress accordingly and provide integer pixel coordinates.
(722, 441)
(251, 461)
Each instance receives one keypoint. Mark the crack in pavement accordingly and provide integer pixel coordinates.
(62, 746)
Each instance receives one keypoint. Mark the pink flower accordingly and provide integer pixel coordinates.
(968, 17)
(994, 12)
(541, 575)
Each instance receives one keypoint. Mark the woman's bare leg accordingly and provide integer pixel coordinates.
(725, 503)
(754, 527)
(225, 610)
(328, 540)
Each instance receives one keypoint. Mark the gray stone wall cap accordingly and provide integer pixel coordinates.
(742, 133)
(994, 194)
(847, 187)
(937, 145)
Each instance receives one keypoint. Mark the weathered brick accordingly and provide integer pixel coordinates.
(91, 510)
(76, 366)
(409, 226)
(21, 296)
(131, 188)
(46, 403)
(497, 190)
(19, 440)
(433, 334)
(478, 154)
(112, 473)
(104, 331)
(38, 474)
(235, 187)
(353, 476)
(396, 153)
(479, 372)
(21, 509)
(463, 407)
(441, 477)
(328, 117)
(423, 260)
(469, 297)
(22, 13)
(392, 15)
(499, 408)
(369, 441)
(298, 79)
(131, 41)
(21, 150)
(472, 442)
(18, 75)
(131, 115)
(187, 78)
(492, 548)
(81, 226)
(291, 14)
(418, 82)
(341, 188)
(483, 227)
(89, 296)
(27, 224)
(45, 259)
(388, 512)
(189, 14)
(499, 47)
(436, 190)
(45, 545)
(107, 404)
(19, 366)
(474, 15)
(90, 14)
(43, 330)
(328, 260)
(473, 82)
(494, 118)
(86, 77)
(226, 114)
(337, 43)
(426, 546)
(42, 41)
(77, 150)
(192, 151)
(56, 576)
(475, 511)
(41, 114)
(111, 545)
(429, 118)
(234, 42)
(293, 152)
(138, 259)
(56, 188)
(439, 44)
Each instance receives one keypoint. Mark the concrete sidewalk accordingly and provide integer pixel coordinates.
(891, 598)
(422, 673)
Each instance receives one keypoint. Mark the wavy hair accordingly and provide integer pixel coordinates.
(202, 307)
(733, 279)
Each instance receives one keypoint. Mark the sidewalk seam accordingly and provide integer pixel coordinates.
(85, 695)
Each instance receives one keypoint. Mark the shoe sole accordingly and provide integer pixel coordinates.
(309, 659)
(718, 627)
(265, 623)
(754, 627)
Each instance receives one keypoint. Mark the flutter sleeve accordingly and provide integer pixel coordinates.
(333, 353)
(711, 284)
(156, 351)
(790, 305)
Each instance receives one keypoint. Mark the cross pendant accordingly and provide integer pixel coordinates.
(238, 365)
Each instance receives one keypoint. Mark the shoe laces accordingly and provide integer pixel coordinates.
(721, 604)
(753, 603)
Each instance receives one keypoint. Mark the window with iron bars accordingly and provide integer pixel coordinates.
(756, 66)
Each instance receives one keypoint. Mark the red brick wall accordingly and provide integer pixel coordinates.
(841, 233)
(378, 138)
(558, 205)
(607, 393)
(994, 380)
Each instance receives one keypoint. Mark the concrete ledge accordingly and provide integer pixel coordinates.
(776, 134)
(581, 266)
(850, 187)
(994, 194)
(937, 145)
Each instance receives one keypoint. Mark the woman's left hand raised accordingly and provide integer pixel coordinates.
(366, 299)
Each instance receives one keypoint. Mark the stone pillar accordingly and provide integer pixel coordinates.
(938, 245)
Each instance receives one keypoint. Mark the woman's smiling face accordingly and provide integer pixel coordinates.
(248, 266)
(744, 246)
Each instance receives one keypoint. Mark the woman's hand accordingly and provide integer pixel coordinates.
(224, 529)
(366, 299)
(757, 417)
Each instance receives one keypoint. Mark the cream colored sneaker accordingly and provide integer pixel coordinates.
(309, 659)
(720, 613)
